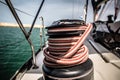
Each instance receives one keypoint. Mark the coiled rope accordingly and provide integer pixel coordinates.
(66, 51)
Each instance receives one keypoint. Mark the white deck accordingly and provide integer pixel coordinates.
(102, 70)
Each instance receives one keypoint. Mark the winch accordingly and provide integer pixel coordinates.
(66, 57)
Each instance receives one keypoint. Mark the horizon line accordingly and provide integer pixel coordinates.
(6, 24)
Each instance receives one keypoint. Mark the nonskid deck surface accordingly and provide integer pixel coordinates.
(106, 64)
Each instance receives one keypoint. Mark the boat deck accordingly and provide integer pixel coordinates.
(106, 64)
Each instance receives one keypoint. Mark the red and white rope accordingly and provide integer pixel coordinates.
(69, 51)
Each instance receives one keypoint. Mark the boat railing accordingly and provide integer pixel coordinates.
(26, 34)
(42, 34)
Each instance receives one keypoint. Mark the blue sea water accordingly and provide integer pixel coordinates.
(15, 50)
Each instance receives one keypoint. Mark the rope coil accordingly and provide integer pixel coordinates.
(66, 51)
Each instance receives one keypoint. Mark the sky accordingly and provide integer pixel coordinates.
(52, 10)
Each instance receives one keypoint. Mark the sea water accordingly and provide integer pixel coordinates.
(15, 50)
